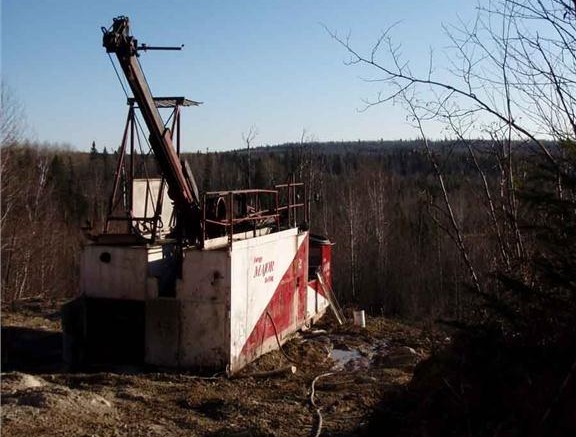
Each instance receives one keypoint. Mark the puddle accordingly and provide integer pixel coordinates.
(349, 352)
(343, 358)
(356, 358)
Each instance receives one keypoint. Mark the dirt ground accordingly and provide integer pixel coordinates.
(341, 374)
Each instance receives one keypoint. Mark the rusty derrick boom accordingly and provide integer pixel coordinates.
(181, 186)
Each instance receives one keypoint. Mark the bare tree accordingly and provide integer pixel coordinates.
(248, 139)
(12, 117)
(512, 82)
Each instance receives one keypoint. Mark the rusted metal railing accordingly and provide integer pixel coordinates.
(251, 209)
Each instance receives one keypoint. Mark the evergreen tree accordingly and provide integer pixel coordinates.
(93, 151)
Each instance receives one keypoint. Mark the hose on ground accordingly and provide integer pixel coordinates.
(319, 421)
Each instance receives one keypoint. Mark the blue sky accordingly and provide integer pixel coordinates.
(268, 64)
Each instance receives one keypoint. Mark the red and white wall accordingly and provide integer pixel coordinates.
(232, 303)
(268, 295)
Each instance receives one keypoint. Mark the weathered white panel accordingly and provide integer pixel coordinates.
(117, 272)
(205, 274)
(204, 334)
(204, 295)
(144, 200)
(186, 333)
(315, 303)
(323, 303)
(311, 302)
(258, 265)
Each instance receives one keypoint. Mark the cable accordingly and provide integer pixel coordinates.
(144, 167)
(278, 340)
(118, 76)
(145, 138)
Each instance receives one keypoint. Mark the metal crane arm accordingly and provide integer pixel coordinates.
(180, 187)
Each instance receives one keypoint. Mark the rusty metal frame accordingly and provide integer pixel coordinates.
(285, 197)
(292, 191)
(122, 195)
(229, 223)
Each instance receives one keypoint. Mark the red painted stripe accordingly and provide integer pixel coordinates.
(287, 308)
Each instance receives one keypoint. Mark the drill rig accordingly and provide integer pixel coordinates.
(181, 279)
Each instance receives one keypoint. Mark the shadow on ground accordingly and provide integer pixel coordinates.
(31, 350)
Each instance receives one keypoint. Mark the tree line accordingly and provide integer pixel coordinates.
(375, 201)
